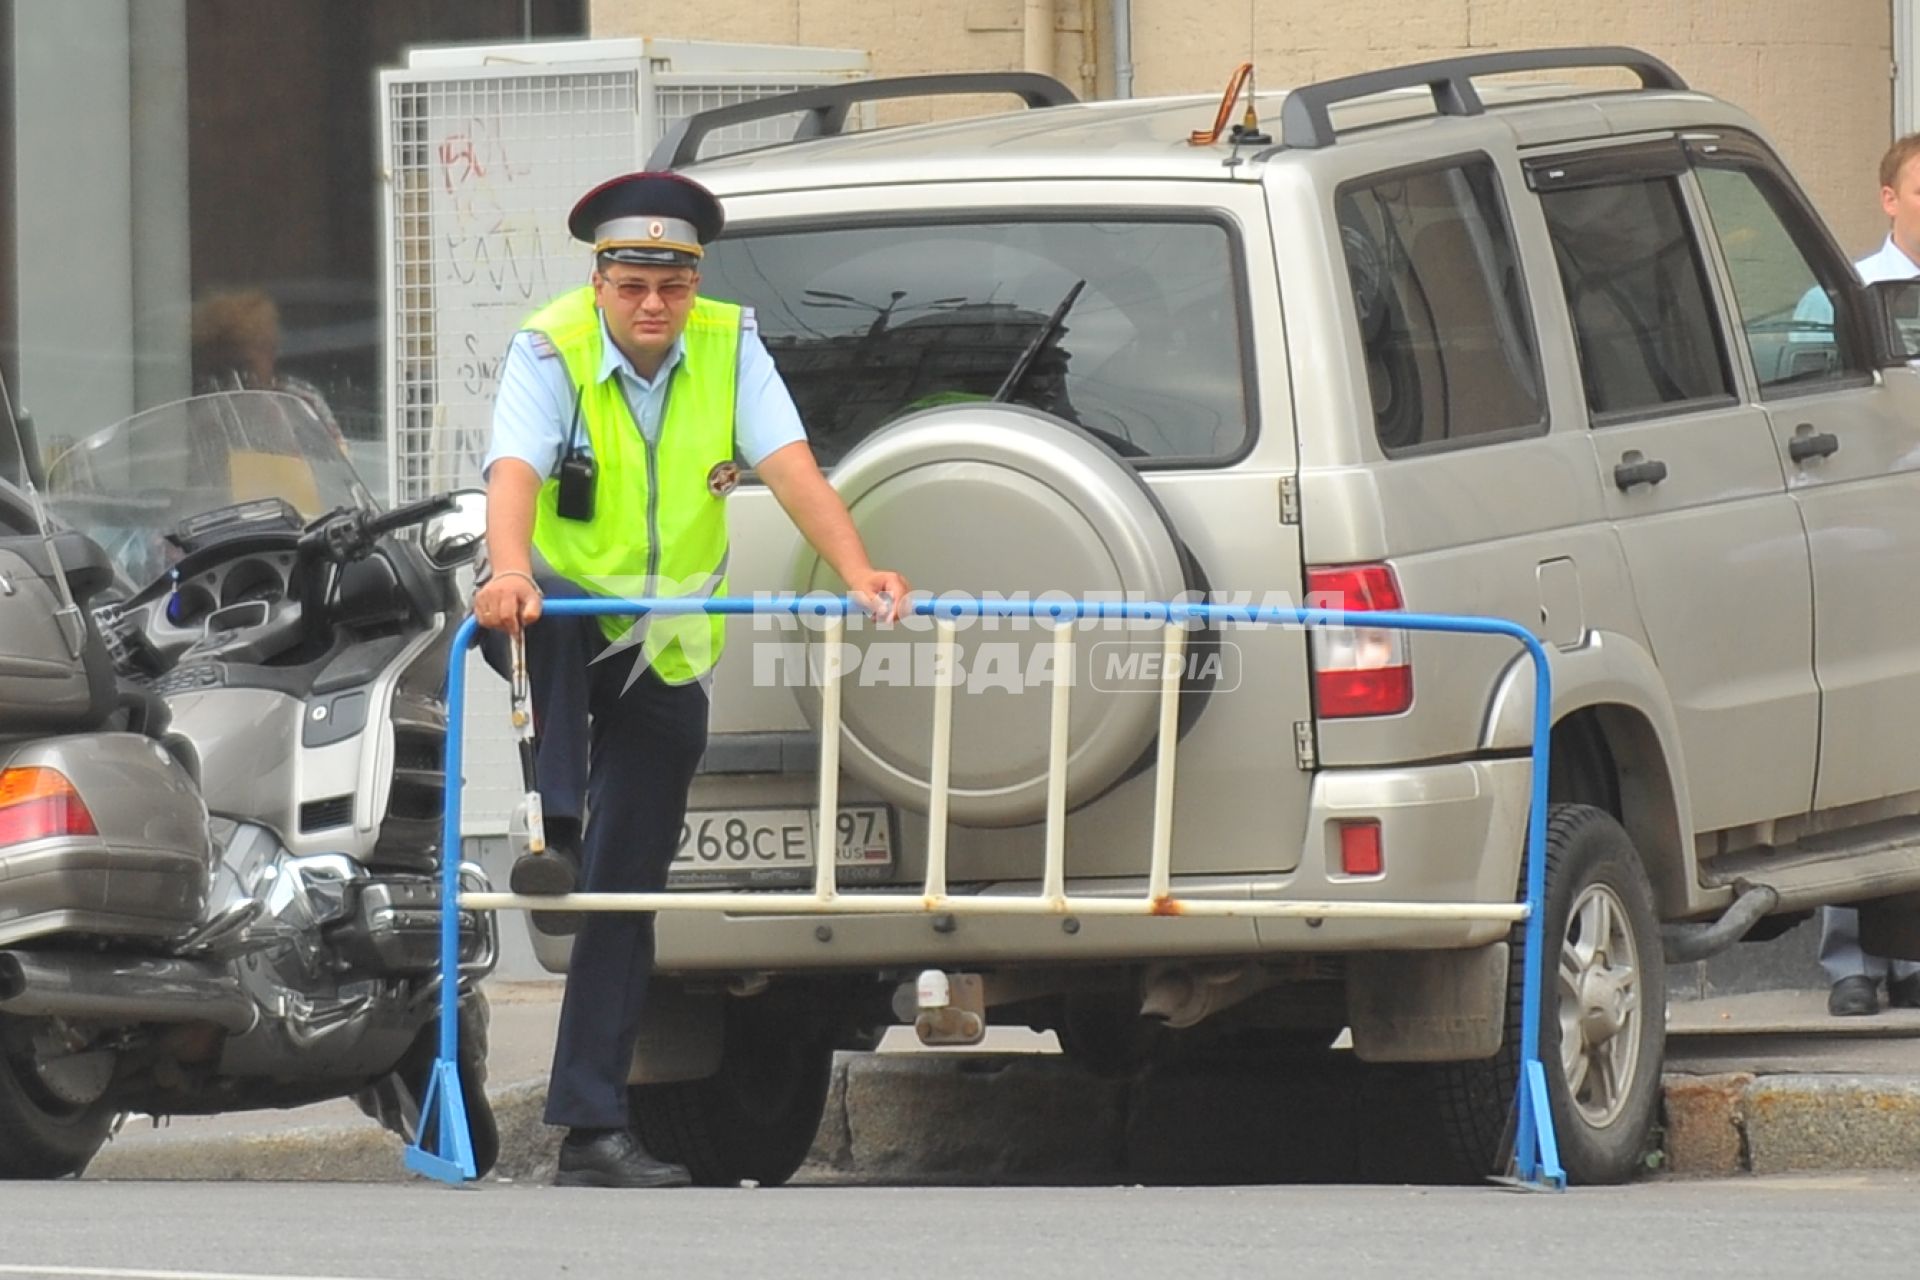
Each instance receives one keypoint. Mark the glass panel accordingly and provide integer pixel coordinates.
(1637, 292)
(870, 324)
(220, 165)
(1786, 310)
(138, 486)
(1449, 344)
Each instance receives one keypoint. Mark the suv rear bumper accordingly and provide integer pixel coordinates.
(1451, 833)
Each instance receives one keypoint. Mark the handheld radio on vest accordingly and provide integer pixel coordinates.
(575, 500)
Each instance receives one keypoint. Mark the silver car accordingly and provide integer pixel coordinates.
(1527, 352)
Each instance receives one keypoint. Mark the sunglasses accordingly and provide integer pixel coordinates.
(634, 292)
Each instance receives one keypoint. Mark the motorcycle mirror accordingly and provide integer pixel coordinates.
(453, 537)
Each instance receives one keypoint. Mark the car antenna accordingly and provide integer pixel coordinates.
(1248, 131)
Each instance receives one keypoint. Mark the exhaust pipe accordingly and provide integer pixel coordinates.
(1684, 943)
(126, 989)
(1183, 995)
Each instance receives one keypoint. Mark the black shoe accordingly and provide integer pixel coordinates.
(611, 1158)
(545, 875)
(1854, 997)
(1904, 993)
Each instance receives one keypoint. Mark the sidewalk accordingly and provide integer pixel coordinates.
(1764, 1083)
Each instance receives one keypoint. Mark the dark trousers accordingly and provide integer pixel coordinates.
(623, 757)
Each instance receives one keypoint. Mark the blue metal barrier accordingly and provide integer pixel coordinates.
(1536, 1158)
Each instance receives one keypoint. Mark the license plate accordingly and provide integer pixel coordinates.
(776, 846)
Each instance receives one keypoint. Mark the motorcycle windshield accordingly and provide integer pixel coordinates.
(135, 483)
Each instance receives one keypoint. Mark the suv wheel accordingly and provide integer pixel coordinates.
(754, 1119)
(1602, 1023)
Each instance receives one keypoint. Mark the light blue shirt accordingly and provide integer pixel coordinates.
(1886, 263)
(533, 412)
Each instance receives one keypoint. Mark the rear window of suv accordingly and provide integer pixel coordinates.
(870, 323)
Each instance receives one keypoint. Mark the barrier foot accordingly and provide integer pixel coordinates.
(443, 1112)
(1536, 1152)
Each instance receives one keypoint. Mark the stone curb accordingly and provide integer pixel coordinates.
(974, 1119)
(1742, 1123)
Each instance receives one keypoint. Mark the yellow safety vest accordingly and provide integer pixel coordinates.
(658, 530)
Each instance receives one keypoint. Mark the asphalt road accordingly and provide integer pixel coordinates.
(1856, 1227)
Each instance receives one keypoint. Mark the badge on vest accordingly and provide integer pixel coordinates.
(723, 479)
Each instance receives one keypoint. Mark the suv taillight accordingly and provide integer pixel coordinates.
(1358, 671)
(37, 802)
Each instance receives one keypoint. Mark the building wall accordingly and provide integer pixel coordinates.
(1818, 77)
(904, 36)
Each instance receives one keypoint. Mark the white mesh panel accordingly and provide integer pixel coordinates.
(483, 169)
(484, 172)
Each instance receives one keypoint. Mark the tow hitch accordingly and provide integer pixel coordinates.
(945, 1008)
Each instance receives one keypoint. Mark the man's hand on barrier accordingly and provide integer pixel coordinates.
(817, 511)
(509, 600)
(882, 593)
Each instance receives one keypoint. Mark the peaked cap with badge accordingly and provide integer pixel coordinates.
(648, 220)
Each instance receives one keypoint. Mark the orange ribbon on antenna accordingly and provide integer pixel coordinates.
(1238, 81)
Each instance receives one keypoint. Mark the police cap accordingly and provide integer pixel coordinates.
(648, 219)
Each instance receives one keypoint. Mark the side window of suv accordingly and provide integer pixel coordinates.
(1436, 285)
(1131, 329)
(1785, 280)
(1637, 293)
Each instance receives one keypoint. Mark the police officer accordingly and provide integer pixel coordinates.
(621, 407)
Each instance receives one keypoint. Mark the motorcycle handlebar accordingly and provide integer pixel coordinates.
(411, 513)
(348, 535)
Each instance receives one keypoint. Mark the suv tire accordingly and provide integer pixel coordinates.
(754, 1119)
(1602, 1025)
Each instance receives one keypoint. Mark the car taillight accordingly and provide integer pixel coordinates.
(38, 802)
(1358, 671)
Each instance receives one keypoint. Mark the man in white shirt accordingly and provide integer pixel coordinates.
(1855, 975)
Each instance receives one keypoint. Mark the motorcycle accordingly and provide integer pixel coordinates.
(221, 734)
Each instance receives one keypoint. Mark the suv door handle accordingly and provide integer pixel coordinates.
(1645, 471)
(1812, 444)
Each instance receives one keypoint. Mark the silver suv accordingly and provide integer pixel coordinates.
(1526, 351)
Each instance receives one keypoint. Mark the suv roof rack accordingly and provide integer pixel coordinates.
(827, 107)
(1305, 120)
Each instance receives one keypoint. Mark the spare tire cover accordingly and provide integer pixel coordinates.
(999, 501)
